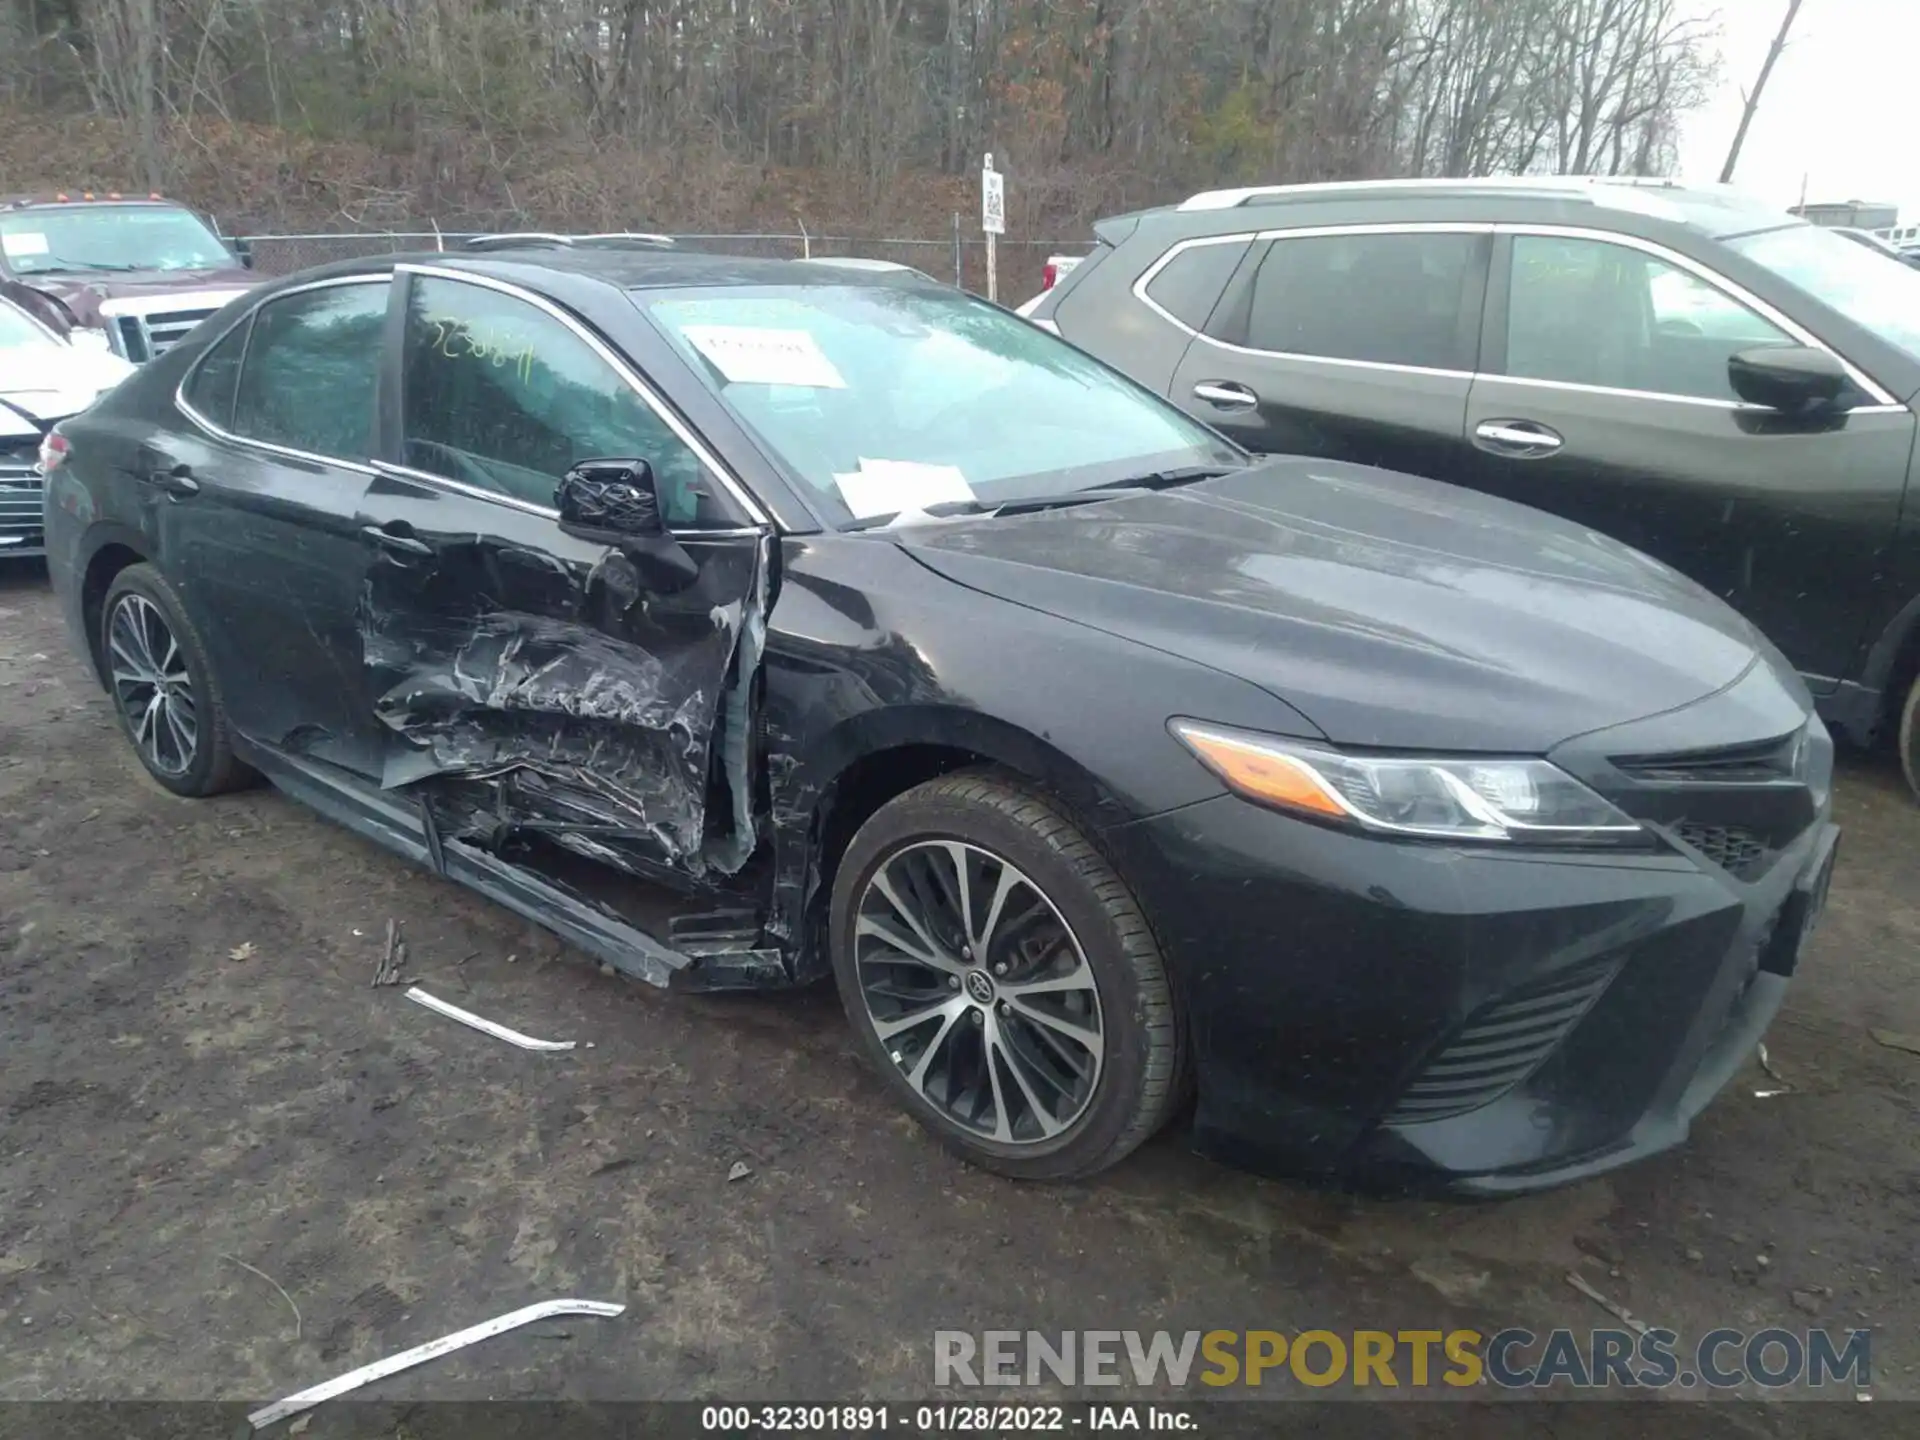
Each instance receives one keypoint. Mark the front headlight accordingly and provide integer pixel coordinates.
(1469, 798)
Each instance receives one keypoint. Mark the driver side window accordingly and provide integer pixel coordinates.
(501, 396)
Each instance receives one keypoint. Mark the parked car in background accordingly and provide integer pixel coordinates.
(749, 622)
(1722, 386)
(44, 378)
(135, 272)
(1058, 267)
(1880, 245)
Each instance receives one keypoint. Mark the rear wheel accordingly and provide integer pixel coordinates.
(1910, 737)
(163, 686)
(1002, 978)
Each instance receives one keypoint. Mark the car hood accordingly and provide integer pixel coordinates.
(83, 294)
(1389, 610)
(51, 382)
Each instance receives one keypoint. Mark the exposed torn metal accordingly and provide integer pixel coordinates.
(342, 1384)
(529, 696)
(484, 1025)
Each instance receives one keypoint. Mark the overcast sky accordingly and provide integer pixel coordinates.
(1842, 108)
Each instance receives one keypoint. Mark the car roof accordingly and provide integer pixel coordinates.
(641, 266)
(1718, 211)
(76, 199)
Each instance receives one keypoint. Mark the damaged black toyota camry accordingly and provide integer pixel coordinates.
(749, 623)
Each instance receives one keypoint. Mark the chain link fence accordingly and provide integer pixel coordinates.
(957, 257)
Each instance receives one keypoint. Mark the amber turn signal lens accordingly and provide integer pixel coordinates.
(1262, 774)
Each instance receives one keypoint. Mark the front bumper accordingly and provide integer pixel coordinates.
(1409, 1016)
(22, 503)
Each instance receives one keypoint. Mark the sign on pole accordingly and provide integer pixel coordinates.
(993, 219)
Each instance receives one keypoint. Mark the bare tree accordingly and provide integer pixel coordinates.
(1759, 89)
(615, 112)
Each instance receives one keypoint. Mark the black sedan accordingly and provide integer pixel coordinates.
(751, 622)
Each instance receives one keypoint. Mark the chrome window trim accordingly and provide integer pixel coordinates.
(741, 495)
(1307, 232)
(460, 487)
(1742, 406)
(1884, 402)
(544, 512)
(1737, 293)
(362, 467)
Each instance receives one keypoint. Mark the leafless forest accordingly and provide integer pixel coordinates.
(854, 115)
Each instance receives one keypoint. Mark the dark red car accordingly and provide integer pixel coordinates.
(141, 271)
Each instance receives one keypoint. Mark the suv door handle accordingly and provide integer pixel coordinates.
(1226, 395)
(395, 540)
(1518, 439)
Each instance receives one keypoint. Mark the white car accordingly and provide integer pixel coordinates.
(44, 379)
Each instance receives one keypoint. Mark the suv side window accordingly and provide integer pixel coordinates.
(1390, 298)
(1589, 312)
(312, 368)
(210, 388)
(1188, 286)
(501, 396)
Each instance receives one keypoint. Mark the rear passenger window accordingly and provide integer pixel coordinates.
(311, 370)
(210, 388)
(1188, 286)
(1392, 299)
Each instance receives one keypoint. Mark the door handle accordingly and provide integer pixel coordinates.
(1226, 395)
(395, 541)
(1519, 439)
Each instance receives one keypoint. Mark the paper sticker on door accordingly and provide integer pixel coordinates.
(751, 355)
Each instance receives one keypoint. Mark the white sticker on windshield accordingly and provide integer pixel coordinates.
(882, 487)
(21, 243)
(749, 355)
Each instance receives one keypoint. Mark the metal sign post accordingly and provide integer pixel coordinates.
(993, 220)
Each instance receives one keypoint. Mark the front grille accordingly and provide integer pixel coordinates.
(146, 337)
(20, 505)
(1728, 765)
(1734, 848)
(1502, 1044)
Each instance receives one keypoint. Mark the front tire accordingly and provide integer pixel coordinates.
(1003, 980)
(164, 688)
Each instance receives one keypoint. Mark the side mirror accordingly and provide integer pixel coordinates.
(243, 251)
(615, 502)
(1793, 379)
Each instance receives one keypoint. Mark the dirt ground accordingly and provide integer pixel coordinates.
(200, 1090)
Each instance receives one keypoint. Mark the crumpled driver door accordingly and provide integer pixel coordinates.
(533, 690)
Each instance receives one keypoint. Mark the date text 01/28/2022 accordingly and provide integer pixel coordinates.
(935, 1419)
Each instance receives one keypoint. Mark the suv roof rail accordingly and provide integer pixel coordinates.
(1260, 194)
(611, 238)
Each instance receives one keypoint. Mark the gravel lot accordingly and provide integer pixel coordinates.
(196, 1078)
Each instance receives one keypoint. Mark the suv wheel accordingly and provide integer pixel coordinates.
(163, 686)
(1003, 980)
(1910, 737)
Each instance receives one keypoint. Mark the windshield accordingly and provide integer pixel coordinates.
(886, 400)
(50, 239)
(1874, 290)
(19, 330)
